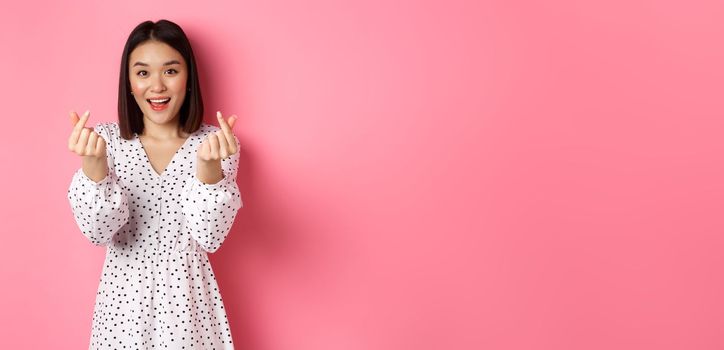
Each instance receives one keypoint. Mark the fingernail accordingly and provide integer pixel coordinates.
(218, 114)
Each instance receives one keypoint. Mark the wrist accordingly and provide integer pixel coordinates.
(209, 172)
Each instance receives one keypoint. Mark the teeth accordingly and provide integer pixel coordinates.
(160, 101)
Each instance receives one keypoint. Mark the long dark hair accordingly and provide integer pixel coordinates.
(130, 116)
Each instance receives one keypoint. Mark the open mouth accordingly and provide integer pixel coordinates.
(159, 104)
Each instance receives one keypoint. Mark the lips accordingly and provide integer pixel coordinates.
(158, 103)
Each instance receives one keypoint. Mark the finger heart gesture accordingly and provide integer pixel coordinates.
(84, 141)
(220, 144)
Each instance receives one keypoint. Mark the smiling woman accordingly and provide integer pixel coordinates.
(155, 85)
(158, 63)
(158, 189)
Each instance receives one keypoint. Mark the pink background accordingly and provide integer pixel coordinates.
(416, 174)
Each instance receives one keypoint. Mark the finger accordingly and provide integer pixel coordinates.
(213, 146)
(232, 120)
(100, 147)
(200, 148)
(233, 143)
(71, 139)
(73, 118)
(223, 144)
(79, 125)
(221, 134)
(82, 141)
(228, 132)
(234, 147)
(203, 150)
(90, 147)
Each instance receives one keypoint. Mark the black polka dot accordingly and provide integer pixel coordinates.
(157, 289)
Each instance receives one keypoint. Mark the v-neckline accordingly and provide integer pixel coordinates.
(173, 158)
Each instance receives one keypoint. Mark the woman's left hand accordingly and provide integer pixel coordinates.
(217, 146)
(221, 144)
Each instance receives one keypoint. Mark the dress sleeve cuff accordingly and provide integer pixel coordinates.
(195, 182)
(88, 181)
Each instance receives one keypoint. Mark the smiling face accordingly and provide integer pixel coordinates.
(158, 74)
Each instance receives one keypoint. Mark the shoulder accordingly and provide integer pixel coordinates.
(108, 130)
(207, 128)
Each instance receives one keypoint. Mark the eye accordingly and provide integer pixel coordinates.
(141, 71)
(172, 70)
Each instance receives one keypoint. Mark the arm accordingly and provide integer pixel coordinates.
(210, 209)
(100, 208)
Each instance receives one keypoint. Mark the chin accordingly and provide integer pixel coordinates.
(160, 117)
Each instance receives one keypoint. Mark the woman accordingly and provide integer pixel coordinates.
(158, 189)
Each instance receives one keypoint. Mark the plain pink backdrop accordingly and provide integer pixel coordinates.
(416, 174)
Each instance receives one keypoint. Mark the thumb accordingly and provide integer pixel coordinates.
(232, 121)
(73, 118)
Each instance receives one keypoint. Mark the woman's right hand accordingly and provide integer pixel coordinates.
(87, 143)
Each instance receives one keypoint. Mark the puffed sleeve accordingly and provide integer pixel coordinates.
(100, 208)
(210, 209)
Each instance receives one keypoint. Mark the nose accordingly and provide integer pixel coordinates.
(157, 84)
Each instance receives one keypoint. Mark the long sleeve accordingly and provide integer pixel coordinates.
(100, 209)
(210, 209)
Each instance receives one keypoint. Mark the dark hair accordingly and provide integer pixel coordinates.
(130, 116)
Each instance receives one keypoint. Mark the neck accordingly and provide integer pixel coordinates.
(166, 131)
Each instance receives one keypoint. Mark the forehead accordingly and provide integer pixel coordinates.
(154, 53)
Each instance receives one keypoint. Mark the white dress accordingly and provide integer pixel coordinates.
(157, 289)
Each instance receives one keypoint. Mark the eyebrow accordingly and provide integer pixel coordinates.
(139, 63)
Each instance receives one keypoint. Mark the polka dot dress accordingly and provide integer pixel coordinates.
(157, 289)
